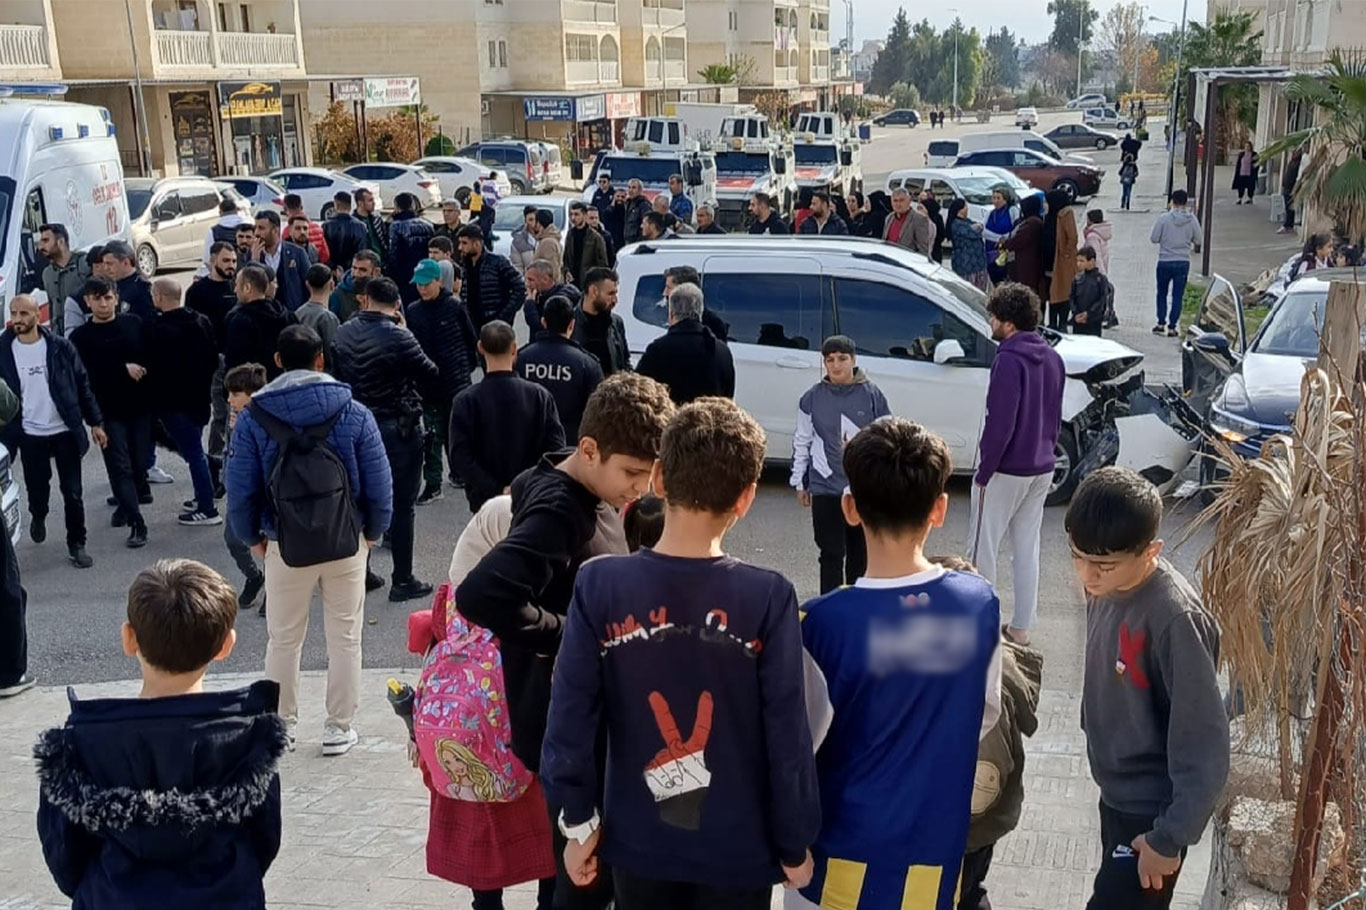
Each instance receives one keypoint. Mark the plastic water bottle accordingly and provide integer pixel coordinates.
(401, 697)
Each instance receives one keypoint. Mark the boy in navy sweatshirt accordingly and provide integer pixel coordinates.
(694, 660)
(902, 664)
(171, 799)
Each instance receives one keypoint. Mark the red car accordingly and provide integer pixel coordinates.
(1039, 170)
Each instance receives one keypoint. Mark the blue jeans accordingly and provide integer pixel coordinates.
(1126, 190)
(1174, 274)
(188, 436)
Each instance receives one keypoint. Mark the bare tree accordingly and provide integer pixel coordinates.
(1121, 33)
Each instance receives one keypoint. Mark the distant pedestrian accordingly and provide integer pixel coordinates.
(490, 288)
(595, 222)
(223, 231)
(1001, 220)
(1290, 177)
(451, 221)
(689, 359)
(766, 219)
(676, 275)
(64, 274)
(584, 248)
(969, 257)
(1092, 295)
(908, 226)
(1128, 175)
(345, 299)
(556, 362)
(344, 234)
(706, 220)
(1245, 173)
(603, 195)
(1060, 257)
(317, 315)
(240, 383)
(1130, 146)
(441, 250)
(376, 232)
(679, 203)
(522, 250)
(1317, 254)
(1024, 246)
(408, 237)
(823, 219)
(74, 309)
(540, 287)
(1176, 232)
(549, 247)
(298, 235)
(1097, 234)
(634, 208)
(653, 226)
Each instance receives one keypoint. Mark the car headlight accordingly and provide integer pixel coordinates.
(1231, 427)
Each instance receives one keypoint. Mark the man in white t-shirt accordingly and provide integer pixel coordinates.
(55, 398)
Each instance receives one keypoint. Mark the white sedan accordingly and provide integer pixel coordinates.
(508, 217)
(317, 185)
(394, 179)
(261, 193)
(457, 175)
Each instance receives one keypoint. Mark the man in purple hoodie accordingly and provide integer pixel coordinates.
(1016, 455)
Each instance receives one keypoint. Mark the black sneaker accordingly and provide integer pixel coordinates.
(137, 537)
(262, 612)
(219, 491)
(143, 500)
(1159, 329)
(37, 529)
(79, 558)
(200, 518)
(250, 591)
(408, 590)
(117, 520)
(373, 582)
(1172, 332)
(431, 494)
(190, 505)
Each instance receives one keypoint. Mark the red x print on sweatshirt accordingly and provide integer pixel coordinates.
(1130, 655)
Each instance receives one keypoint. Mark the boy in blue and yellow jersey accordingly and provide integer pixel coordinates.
(902, 664)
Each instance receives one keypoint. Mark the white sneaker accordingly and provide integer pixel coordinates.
(156, 475)
(337, 741)
(291, 727)
(22, 684)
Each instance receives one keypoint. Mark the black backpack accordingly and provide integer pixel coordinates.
(310, 492)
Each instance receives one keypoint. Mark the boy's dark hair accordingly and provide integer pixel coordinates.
(382, 291)
(97, 287)
(711, 452)
(838, 344)
(472, 231)
(683, 274)
(443, 244)
(342, 198)
(497, 338)
(1095, 216)
(897, 470)
(247, 378)
(292, 201)
(405, 202)
(643, 522)
(558, 313)
(317, 276)
(181, 612)
(226, 206)
(1016, 304)
(1115, 510)
(954, 563)
(361, 286)
(597, 275)
(95, 255)
(298, 347)
(544, 218)
(1088, 253)
(1179, 197)
(626, 415)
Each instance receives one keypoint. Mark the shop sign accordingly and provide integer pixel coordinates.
(808, 95)
(548, 108)
(393, 92)
(250, 99)
(621, 105)
(589, 107)
(349, 90)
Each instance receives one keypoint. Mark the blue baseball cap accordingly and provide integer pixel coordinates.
(427, 271)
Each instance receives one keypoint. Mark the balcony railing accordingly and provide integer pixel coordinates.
(236, 50)
(23, 46)
(184, 48)
(675, 70)
(581, 72)
(603, 13)
(820, 74)
(609, 71)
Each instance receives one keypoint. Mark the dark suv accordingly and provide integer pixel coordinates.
(523, 162)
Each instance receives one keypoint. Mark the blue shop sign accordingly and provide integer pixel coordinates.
(549, 109)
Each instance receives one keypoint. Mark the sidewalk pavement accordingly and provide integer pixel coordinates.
(355, 826)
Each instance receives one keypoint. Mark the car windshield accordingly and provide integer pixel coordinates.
(816, 154)
(967, 293)
(649, 171)
(137, 202)
(510, 218)
(977, 190)
(1292, 330)
(742, 162)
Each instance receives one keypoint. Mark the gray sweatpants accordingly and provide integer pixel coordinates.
(1010, 505)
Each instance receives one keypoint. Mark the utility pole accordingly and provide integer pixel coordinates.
(957, 25)
(1174, 108)
(1081, 30)
(145, 151)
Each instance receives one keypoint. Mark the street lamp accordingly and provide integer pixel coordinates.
(1172, 110)
(1081, 30)
(954, 10)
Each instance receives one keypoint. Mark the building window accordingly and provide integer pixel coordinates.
(502, 55)
(734, 21)
(580, 48)
(493, 54)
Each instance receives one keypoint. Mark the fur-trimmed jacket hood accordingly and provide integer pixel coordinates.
(163, 802)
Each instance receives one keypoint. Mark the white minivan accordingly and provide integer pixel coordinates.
(1016, 139)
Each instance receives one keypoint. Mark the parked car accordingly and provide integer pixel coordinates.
(974, 185)
(1077, 180)
(941, 153)
(9, 497)
(1090, 99)
(508, 217)
(261, 192)
(1016, 139)
(902, 116)
(523, 162)
(552, 165)
(1080, 136)
(1249, 390)
(169, 218)
(457, 175)
(392, 179)
(922, 335)
(1026, 117)
(1105, 116)
(317, 185)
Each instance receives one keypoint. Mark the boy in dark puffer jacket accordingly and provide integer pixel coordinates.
(173, 798)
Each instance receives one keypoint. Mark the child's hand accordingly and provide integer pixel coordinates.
(581, 861)
(799, 876)
(414, 756)
(1153, 867)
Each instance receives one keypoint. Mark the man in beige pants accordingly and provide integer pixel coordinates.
(304, 397)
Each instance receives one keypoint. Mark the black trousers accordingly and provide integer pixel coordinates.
(403, 444)
(637, 893)
(1057, 316)
(240, 552)
(126, 459)
(568, 896)
(972, 892)
(493, 900)
(843, 553)
(1086, 328)
(1117, 886)
(13, 609)
(1288, 222)
(38, 453)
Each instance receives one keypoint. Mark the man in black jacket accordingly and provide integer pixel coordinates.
(376, 232)
(689, 359)
(599, 330)
(344, 233)
(766, 220)
(114, 352)
(214, 296)
(555, 362)
(490, 288)
(502, 426)
(604, 194)
(594, 218)
(135, 293)
(54, 392)
(634, 209)
(408, 236)
(290, 261)
(251, 328)
(540, 287)
(584, 248)
(441, 325)
(1090, 296)
(685, 274)
(184, 357)
(385, 367)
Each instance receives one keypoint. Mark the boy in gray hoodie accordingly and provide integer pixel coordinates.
(829, 415)
(1175, 233)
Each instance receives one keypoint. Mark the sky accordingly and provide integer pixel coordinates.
(1029, 20)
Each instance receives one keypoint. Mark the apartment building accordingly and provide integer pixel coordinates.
(783, 45)
(28, 43)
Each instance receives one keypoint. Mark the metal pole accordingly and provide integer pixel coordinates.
(1081, 29)
(144, 153)
(1173, 112)
(1138, 49)
(955, 64)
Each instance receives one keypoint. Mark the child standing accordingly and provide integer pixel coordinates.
(173, 798)
(906, 679)
(1128, 174)
(828, 415)
(685, 641)
(1097, 234)
(1156, 731)
(242, 382)
(1092, 295)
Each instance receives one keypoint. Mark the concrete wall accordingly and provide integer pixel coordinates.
(93, 39)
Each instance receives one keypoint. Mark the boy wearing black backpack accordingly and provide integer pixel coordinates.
(309, 490)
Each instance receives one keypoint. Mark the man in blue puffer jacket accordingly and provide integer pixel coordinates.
(304, 396)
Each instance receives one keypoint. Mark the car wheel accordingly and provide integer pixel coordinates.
(1101, 145)
(147, 262)
(1209, 474)
(518, 188)
(328, 211)
(1070, 188)
(1064, 469)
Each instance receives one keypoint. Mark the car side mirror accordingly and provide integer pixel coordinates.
(948, 350)
(692, 173)
(846, 158)
(1211, 343)
(780, 165)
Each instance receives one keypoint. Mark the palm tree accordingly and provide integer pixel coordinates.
(1230, 39)
(1333, 174)
(717, 74)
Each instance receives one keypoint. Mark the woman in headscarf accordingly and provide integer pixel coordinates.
(937, 218)
(861, 224)
(969, 252)
(1001, 220)
(1060, 258)
(1024, 243)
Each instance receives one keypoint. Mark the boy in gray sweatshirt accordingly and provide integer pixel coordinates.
(1156, 731)
(1175, 233)
(829, 415)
